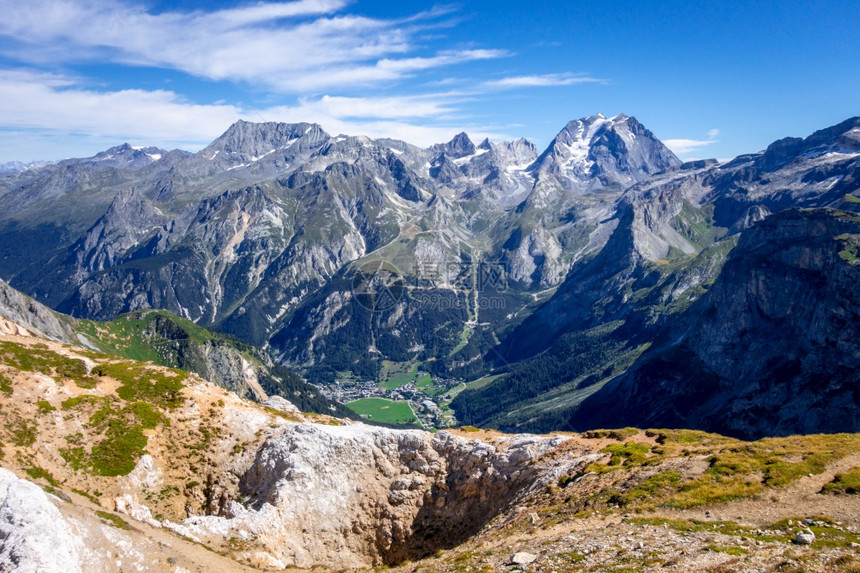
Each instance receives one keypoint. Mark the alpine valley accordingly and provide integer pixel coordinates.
(598, 282)
(297, 350)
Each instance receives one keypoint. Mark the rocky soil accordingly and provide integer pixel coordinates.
(751, 535)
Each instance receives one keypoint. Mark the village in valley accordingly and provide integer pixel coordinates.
(404, 395)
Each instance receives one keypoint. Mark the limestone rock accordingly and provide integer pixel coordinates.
(281, 405)
(373, 489)
(523, 558)
(804, 537)
(127, 505)
(33, 534)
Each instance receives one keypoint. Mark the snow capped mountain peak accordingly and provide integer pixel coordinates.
(840, 139)
(19, 166)
(597, 151)
(123, 156)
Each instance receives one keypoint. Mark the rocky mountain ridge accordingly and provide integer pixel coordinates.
(539, 277)
(671, 236)
(239, 235)
(167, 340)
(719, 365)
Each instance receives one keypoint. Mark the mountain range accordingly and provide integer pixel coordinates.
(599, 282)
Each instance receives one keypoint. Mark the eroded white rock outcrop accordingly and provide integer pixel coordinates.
(34, 537)
(357, 495)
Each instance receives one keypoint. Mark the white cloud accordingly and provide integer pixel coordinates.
(382, 107)
(545, 80)
(50, 108)
(299, 48)
(292, 47)
(685, 146)
(48, 102)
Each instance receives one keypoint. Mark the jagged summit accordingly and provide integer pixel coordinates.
(598, 151)
(841, 139)
(19, 166)
(256, 139)
(122, 157)
(259, 236)
(459, 146)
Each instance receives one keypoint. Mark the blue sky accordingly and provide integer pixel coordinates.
(710, 79)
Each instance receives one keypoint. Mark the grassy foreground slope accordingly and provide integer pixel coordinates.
(678, 500)
(165, 339)
(80, 424)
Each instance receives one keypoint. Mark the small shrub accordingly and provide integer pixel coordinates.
(75, 456)
(147, 414)
(5, 384)
(139, 383)
(36, 472)
(44, 407)
(619, 434)
(847, 483)
(114, 520)
(631, 453)
(82, 399)
(651, 488)
(118, 453)
(23, 431)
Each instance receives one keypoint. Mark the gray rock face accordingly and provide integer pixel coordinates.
(36, 317)
(128, 222)
(19, 166)
(769, 350)
(261, 234)
(597, 152)
(577, 180)
(241, 234)
(667, 240)
(686, 213)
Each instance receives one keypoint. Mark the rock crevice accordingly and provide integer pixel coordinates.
(357, 496)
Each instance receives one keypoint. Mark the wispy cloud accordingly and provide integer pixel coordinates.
(685, 146)
(50, 103)
(290, 53)
(292, 47)
(425, 106)
(545, 80)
